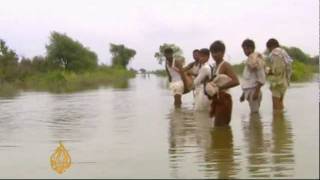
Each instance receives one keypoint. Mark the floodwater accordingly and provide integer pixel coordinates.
(135, 132)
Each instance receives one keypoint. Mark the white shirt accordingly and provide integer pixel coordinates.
(175, 76)
(251, 76)
(195, 69)
(204, 72)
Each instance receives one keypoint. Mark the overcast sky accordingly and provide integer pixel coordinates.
(145, 24)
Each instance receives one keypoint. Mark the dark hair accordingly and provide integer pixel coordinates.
(168, 51)
(196, 50)
(248, 43)
(217, 46)
(204, 51)
(272, 43)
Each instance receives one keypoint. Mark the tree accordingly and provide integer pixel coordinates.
(7, 56)
(25, 67)
(8, 63)
(142, 70)
(121, 55)
(297, 54)
(40, 64)
(64, 52)
(133, 70)
(160, 55)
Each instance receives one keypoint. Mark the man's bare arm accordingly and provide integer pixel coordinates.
(169, 77)
(189, 66)
(229, 72)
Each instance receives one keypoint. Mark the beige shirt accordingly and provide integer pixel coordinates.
(278, 79)
(175, 75)
(204, 72)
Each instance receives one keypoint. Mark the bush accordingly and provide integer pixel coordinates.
(7, 90)
(301, 72)
(69, 81)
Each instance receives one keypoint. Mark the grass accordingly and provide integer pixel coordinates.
(8, 90)
(64, 81)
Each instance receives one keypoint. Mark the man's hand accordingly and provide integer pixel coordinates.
(256, 95)
(268, 71)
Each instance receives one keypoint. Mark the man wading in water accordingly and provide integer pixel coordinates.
(221, 106)
(279, 73)
(253, 76)
(174, 68)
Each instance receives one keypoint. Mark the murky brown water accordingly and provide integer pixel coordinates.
(135, 132)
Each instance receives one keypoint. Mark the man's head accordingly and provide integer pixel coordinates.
(272, 44)
(204, 55)
(217, 50)
(248, 47)
(195, 54)
(168, 53)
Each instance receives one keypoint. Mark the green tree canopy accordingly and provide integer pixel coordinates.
(121, 55)
(64, 52)
(160, 55)
(8, 62)
(297, 54)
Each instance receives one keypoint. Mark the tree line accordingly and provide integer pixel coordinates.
(62, 53)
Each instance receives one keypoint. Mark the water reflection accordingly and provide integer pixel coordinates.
(269, 156)
(145, 75)
(191, 138)
(121, 83)
(8, 127)
(257, 147)
(113, 130)
(71, 118)
(122, 101)
(181, 136)
(282, 146)
(163, 84)
(219, 155)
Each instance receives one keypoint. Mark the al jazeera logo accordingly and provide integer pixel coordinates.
(60, 160)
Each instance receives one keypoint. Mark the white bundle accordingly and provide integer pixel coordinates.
(177, 87)
(212, 87)
(282, 53)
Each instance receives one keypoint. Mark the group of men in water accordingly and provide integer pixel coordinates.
(210, 84)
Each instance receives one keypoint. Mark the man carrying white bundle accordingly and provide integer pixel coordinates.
(178, 85)
(202, 102)
(184, 85)
(253, 76)
(212, 87)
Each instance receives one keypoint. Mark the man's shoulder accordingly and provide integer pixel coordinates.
(226, 64)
